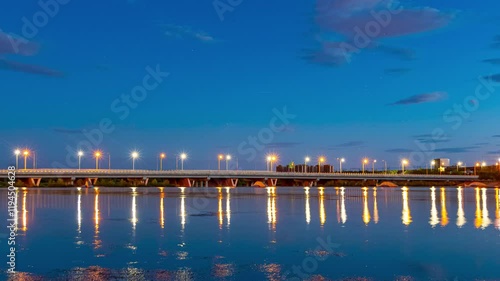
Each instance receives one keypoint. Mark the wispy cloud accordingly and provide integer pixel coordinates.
(429, 138)
(282, 144)
(465, 149)
(345, 18)
(399, 150)
(494, 78)
(350, 144)
(422, 98)
(182, 32)
(492, 61)
(28, 68)
(496, 136)
(10, 44)
(66, 131)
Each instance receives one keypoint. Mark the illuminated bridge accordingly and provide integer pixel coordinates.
(205, 178)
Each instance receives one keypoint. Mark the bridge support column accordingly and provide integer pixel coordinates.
(186, 182)
(145, 180)
(231, 182)
(89, 182)
(271, 182)
(34, 182)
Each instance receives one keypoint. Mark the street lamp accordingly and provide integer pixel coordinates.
(475, 168)
(459, 164)
(385, 166)
(134, 156)
(228, 157)
(26, 153)
(272, 158)
(17, 152)
(373, 166)
(306, 160)
(219, 158)
(321, 159)
(80, 154)
(341, 160)
(364, 162)
(433, 163)
(183, 157)
(268, 165)
(404, 162)
(162, 156)
(97, 155)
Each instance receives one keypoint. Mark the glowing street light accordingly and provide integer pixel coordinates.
(228, 157)
(80, 154)
(321, 160)
(306, 160)
(26, 153)
(459, 164)
(219, 158)
(341, 160)
(17, 152)
(475, 167)
(271, 158)
(134, 156)
(183, 157)
(433, 163)
(373, 166)
(97, 155)
(404, 163)
(363, 163)
(162, 156)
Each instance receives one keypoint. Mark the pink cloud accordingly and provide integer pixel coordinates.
(13, 45)
(28, 68)
(348, 17)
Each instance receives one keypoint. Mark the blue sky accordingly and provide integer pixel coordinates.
(228, 77)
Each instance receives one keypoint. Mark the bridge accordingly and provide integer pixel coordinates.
(205, 178)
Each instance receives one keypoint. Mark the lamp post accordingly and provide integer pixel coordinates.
(80, 154)
(404, 162)
(97, 155)
(475, 168)
(385, 166)
(228, 157)
(363, 163)
(459, 164)
(219, 158)
(373, 166)
(268, 163)
(183, 157)
(134, 156)
(321, 159)
(433, 163)
(273, 159)
(26, 153)
(306, 160)
(162, 156)
(17, 152)
(341, 160)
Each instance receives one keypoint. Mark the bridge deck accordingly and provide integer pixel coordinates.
(207, 174)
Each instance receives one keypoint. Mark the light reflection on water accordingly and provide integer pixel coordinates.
(159, 234)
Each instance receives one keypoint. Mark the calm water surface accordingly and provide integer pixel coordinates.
(279, 233)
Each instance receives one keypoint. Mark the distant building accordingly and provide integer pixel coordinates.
(441, 163)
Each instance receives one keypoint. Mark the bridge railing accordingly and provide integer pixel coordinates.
(221, 173)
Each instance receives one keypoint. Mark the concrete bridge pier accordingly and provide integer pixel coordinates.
(271, 182)
(90, 182)
(34, 182)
